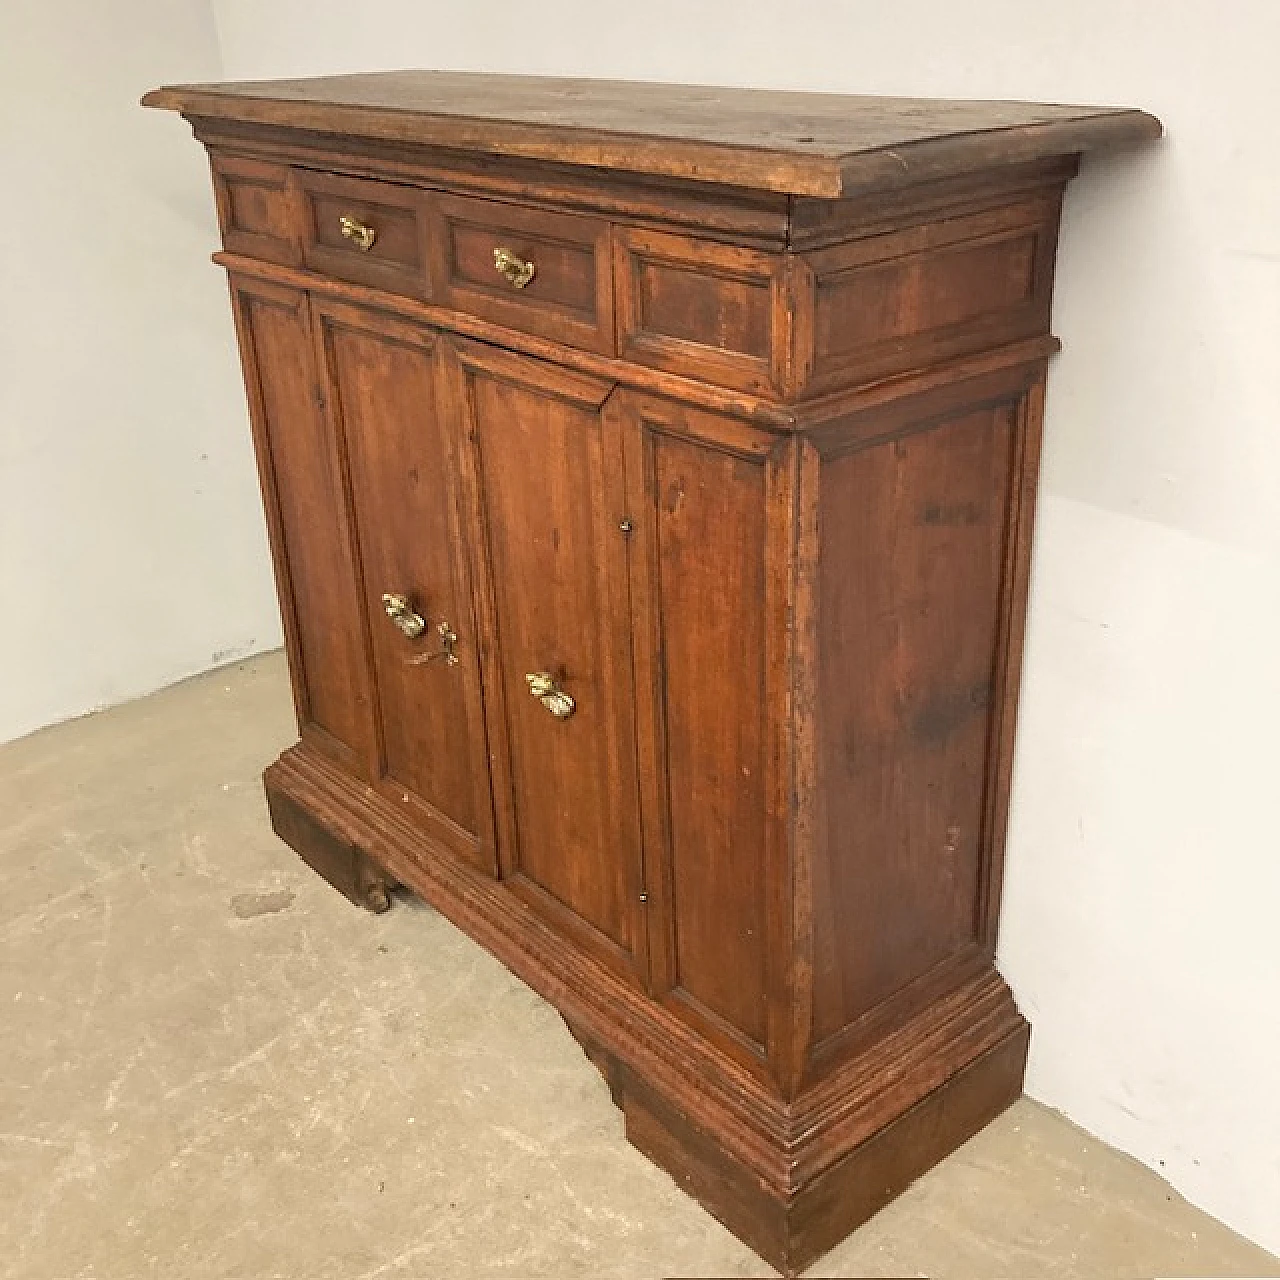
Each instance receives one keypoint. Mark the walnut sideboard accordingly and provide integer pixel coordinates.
(649, 472)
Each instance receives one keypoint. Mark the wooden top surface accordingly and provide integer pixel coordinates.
(814, 144)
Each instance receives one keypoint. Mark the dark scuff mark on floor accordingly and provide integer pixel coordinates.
(248, 905)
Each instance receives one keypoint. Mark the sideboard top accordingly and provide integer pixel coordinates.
(808, 144)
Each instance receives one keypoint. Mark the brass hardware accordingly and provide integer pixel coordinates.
(543, 686)
(403, 614)
(398, 608)
(360, 234)
(625, 526)
(448, 638)
(517, 271)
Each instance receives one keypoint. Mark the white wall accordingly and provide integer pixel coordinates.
(1144, 864)
(132, 551)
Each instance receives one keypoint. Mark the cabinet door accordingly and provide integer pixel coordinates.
(710, 499)
(545, 474)
(306, 516)
(382, 378)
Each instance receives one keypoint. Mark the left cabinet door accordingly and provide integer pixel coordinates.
(381, 376)
(302, 488)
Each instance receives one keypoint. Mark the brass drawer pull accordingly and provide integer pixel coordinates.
(359, 233)
(543, 686)
(517, 271)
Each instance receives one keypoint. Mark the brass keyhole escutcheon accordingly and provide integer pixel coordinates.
(544, 687)
(448, 638)
(359, 233)
(515, 269)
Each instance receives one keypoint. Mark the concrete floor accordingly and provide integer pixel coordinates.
(212, 1065)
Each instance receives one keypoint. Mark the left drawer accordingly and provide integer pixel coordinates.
(367, 232)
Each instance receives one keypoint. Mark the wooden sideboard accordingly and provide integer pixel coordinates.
(649, 473)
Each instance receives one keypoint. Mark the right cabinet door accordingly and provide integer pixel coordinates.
(543, 468)
(710, 501)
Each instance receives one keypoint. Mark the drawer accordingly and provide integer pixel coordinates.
(544, 273)
(372, 233)
(713, 311)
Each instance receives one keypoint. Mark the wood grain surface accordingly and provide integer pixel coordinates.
(798, 143)
(747, 465)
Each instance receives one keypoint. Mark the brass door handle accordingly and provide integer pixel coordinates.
(403, 614)
(359, 233)
(543, 686)
(412, 624)
(517, 271)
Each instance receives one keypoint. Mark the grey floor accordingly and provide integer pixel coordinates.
(212, 1065)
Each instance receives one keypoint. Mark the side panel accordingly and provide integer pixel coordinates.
(306, 515)
(911, 594)
(915, 297)
(383, 377)
(709, 498)
(255, 208)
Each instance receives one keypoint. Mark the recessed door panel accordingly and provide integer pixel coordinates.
(708, 499)
(383, 377)
(545, 468)
(302, 484)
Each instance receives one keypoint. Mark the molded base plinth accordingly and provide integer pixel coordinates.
(791, 1179)
(792, 1234)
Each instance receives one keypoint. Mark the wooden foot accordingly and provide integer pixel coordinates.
(349, 869)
